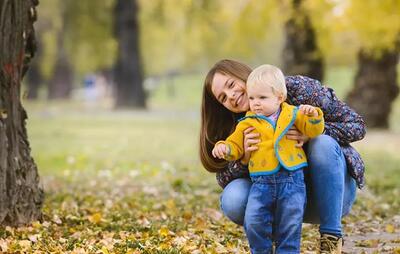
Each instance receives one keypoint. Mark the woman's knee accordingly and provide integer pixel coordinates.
(324, 150)
(234, 199)
(323, 144)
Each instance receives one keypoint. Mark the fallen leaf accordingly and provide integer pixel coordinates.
(3, 245)
(390, 228)
(95, 218)
(164, 232)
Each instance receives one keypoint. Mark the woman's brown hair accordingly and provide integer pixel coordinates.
(217, 122)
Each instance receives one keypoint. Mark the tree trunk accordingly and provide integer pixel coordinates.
(375, 87)
(128, 69)
(21, 198)
(60, 84)
(301, 55)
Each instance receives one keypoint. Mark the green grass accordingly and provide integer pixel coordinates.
(107, 140)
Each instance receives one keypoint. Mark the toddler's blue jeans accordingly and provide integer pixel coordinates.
(274, 212)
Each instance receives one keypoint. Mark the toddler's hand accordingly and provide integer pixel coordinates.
(219, 151)
(308, 110)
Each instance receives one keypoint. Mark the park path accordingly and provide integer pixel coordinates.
(375, 235)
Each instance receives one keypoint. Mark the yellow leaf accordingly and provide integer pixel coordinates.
(187, 215)
(200, 223)
(95, 218)
(164, 246)
(390, 228)
(370, 243)
(104, 250)
(163, 231)
(170, 204)
(36, 224)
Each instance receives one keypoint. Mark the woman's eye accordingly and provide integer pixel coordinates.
(263, 97)
(231, 84)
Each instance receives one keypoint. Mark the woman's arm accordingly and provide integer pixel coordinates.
(341, 122)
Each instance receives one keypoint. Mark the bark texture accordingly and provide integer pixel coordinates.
(301, 55)
(21, 197)
(128, 69)
(375, 87)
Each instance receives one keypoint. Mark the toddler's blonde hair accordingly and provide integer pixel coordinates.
(270, 76)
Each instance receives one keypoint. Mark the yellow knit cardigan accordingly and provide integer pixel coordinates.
(274, 149)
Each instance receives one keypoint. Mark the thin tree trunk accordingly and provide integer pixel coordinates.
(60, 84)
(21, 198)
(375, 87)
(128, 69)
(301, 55)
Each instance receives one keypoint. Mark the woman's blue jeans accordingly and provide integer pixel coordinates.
(331, 191)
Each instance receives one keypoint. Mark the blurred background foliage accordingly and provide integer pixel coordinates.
(190, 35)
(182, 39)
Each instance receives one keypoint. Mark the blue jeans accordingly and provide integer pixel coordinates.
(331, 191)
(274, 212)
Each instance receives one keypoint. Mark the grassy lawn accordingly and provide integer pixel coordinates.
(131, 181)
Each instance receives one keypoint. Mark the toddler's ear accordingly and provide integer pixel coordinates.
(281, 98)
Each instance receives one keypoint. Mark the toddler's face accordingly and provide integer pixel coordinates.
(262, 100)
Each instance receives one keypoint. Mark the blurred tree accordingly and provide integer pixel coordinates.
(34, 77)
(60, 84)
(208, 30)
(375, 87)
(128, 68)
(301, 54)
(21, 198)
(251, 30)
(89, 38)
(377, 25)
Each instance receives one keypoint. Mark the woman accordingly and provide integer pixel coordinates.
(334, 166)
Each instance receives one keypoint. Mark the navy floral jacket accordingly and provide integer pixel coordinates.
(341, 123)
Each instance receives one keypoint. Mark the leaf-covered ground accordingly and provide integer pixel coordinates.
(132, 183)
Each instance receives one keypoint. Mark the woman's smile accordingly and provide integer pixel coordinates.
(239, 100)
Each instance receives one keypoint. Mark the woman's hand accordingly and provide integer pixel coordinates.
(250, 141)
(294, 134)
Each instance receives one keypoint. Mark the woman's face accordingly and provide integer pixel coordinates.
(230, 92)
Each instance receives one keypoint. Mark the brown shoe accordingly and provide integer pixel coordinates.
(330, 244)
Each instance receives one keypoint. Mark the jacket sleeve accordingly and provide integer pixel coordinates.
(235, 143)
(310, 126)
(341, 122)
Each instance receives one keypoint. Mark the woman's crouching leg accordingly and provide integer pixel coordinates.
(234, 199)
